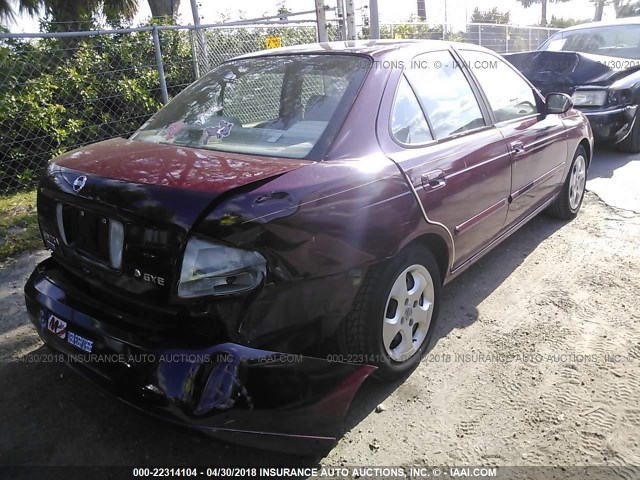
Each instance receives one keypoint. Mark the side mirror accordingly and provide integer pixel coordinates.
(558, 103)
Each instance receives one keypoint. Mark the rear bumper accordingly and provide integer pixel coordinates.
(611, 126)
(239, 394)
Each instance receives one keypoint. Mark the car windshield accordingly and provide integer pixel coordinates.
(283, 106)
(612, 41)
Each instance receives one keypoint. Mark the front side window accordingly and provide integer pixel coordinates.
(445, 94)
(276, 106)
(408, 124)
(509, 96)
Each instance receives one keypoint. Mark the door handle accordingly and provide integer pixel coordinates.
(433, 180)
(517, 148)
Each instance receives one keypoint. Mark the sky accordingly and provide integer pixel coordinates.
(455, 12)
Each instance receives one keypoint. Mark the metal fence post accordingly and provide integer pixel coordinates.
(194, 55)
(322, 22)
(350, 11)
(374, 19)
(506, 38)
(160, 66)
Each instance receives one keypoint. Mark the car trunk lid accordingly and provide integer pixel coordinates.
(157, 193)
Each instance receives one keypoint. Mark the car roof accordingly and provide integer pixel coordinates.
(372, 48)
(606, 23)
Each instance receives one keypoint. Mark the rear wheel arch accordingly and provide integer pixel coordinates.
(438, 248)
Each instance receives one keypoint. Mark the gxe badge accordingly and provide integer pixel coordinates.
(147, 277)
(79, 183)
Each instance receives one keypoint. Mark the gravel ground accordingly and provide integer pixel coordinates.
(535, 361)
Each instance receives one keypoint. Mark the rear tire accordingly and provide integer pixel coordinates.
(568, 202)
(394, 314)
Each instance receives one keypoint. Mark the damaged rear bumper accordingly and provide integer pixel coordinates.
(239, 394)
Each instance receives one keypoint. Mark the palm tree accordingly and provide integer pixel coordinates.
(69, 15)
(543, 4)
(6, 11)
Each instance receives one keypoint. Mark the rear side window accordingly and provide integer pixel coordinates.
(445, 94)
(408, 124)
(509, 96)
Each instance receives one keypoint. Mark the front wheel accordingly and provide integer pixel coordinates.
(567, 204)
(394, 313)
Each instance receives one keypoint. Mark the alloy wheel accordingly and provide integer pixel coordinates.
(408, 313)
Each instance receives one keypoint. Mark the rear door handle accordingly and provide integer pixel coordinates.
(433, 180)
(517, 148)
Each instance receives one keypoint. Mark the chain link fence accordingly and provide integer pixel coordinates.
(507, 38)
(500, 38)
(62, 91)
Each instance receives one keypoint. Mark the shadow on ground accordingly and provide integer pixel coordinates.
(51, 416)
(460, 300)
(607, 160)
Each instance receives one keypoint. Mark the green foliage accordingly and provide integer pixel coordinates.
(490, 16)
(561, 22)
(19, 230)
(70, 15)
(55, 96)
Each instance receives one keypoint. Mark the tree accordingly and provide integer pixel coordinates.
(490, 16)
(70, 15)
(543, 4)
(6, 12)
(561, 22)
(599, 9)
(626, 8)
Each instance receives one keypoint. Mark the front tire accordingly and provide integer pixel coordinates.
(568, 202)
(394, 314)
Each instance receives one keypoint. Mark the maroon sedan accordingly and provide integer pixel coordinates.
(283, 228)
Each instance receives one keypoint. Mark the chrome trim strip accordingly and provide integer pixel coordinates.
(387, 199)
(633, 122)
(60, 222)
(536, 182)
(507, 153)
(503, 236)
(607, 112)
(473, 221)
(524, 118)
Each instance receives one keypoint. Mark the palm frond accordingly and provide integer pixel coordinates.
(6, 11)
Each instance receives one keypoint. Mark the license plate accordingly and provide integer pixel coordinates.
(80, 342)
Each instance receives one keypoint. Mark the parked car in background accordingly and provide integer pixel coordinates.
(283, 228)
(598, 65)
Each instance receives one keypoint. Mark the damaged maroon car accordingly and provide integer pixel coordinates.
(282, 229)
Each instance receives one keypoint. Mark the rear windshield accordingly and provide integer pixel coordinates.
(612, 41)
(283, 106)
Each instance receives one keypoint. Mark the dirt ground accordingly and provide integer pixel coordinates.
(535, 361)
